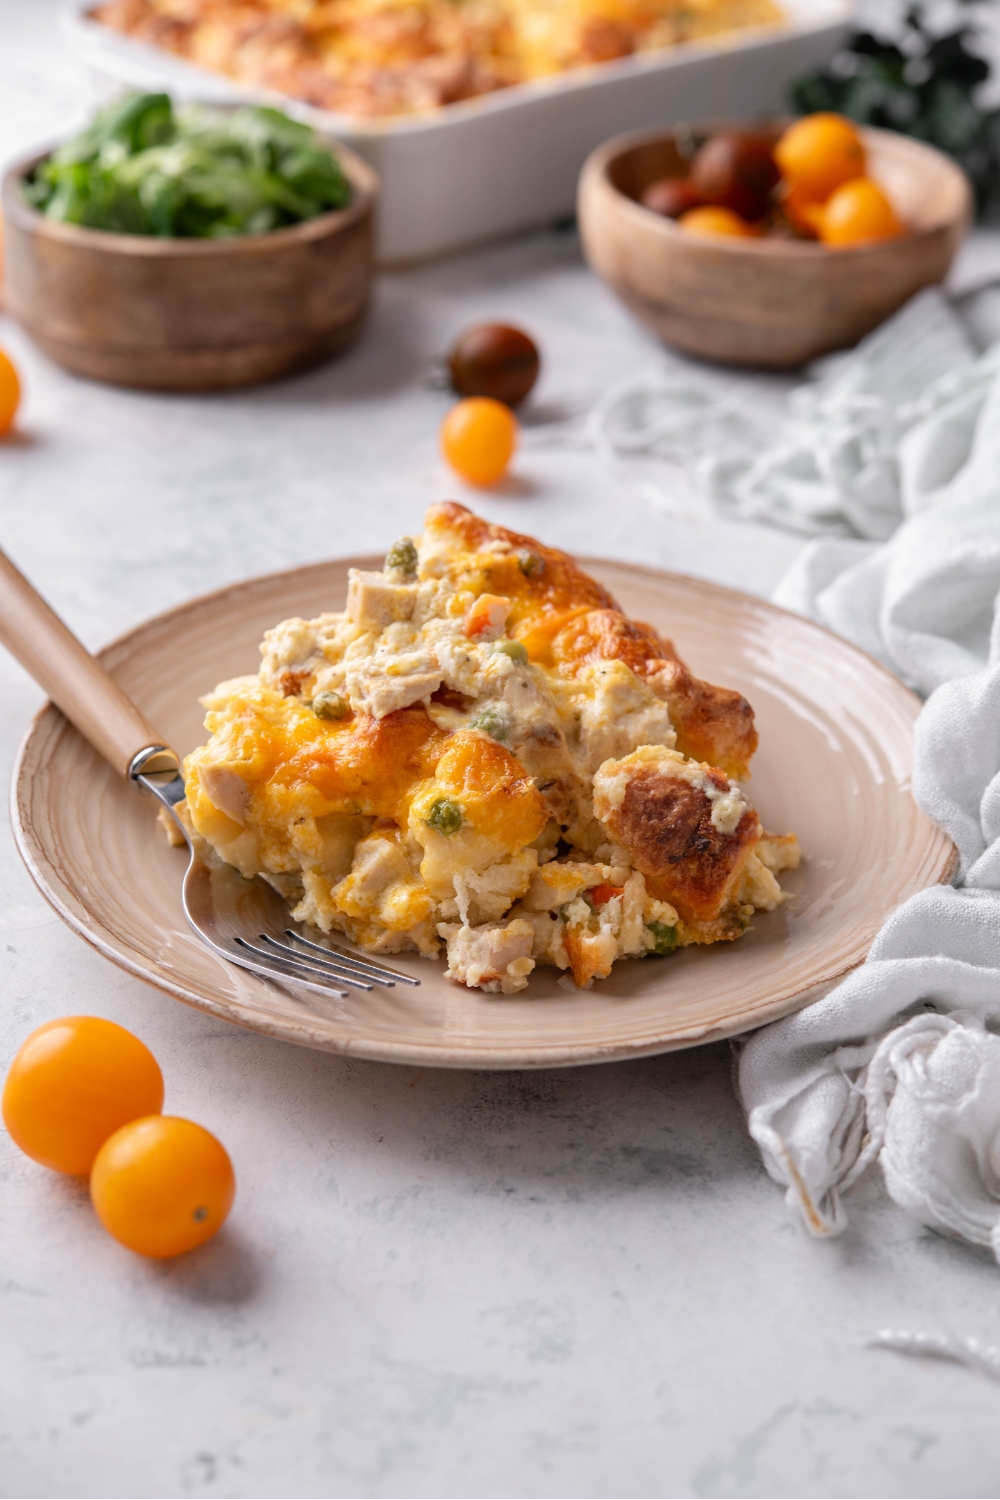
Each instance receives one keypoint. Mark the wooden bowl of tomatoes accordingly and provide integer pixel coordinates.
(772, 243)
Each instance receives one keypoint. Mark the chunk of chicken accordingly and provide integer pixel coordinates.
(496, 959)
(373, 602)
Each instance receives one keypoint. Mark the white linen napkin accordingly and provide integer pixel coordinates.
(900, 1063)
(872, 437)
(890, 456)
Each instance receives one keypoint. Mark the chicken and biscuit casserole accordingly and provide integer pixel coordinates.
(387, 57)
(483, 758)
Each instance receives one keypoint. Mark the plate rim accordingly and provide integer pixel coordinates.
(49, 719)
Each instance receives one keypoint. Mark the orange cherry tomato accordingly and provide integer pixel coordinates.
(804, 212)
(162, 1186)
(10, 393)
(478, 438)
(856, 212)
(712, 220)
(74, 1083)
(818, 153)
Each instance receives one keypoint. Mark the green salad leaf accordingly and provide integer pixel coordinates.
(144, 167)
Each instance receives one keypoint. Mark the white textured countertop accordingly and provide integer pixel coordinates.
(534, 1284)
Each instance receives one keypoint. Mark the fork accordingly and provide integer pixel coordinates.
(243, 921)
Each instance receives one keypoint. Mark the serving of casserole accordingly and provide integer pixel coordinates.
(483, 759)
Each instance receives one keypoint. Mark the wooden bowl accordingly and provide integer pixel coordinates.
(768, 302)
(188, 314)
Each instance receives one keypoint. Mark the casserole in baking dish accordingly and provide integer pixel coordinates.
(392, 57)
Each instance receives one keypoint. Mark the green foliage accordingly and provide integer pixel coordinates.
(143, 167)
(921, 84)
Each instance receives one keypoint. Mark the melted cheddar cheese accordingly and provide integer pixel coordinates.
(483, 755)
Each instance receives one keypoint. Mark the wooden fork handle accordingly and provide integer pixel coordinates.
(79, 685)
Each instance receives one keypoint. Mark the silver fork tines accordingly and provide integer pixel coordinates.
(246, 920)
(299, 964)
(325, 965)
(363, 965)
(283, 965)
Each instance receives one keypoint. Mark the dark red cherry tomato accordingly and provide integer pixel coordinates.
(494, 360)
(736, 169)
(670, 196)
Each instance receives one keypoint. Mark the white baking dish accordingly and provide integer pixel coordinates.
(486, 167)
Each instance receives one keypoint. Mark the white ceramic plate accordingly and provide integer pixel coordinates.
(833, 765)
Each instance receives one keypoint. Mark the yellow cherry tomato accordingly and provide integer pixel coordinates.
(713, 220)
(856, 212)
(10, 393)
(74, 1083)
(162, 1186)
(478, 438)
(818, 153)
(802, 211)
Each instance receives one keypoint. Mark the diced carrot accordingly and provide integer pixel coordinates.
(600, 895)
(490, 611)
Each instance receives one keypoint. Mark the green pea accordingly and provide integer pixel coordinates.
(445, 816)
(514, 650)
(402, 555)
(530, 563)
(666, 937)
(330, 706)
(490, 721)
